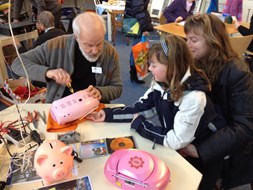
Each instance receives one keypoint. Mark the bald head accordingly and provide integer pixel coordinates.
(88, 23)
(89, 31)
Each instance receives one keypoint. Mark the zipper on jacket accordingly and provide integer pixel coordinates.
(154, 145)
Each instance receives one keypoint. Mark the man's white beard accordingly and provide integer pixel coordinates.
(90, 59)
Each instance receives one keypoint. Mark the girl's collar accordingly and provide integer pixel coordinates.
(49, 29)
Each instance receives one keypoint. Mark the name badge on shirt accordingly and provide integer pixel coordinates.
(96, 70)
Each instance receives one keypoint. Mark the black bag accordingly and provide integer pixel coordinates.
(131, 27)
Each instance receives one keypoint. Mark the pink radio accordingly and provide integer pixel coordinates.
(72, 107)
(136, 169)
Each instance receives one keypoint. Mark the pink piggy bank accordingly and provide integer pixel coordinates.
(53, 161)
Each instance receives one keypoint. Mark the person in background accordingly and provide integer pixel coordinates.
(47, 31)
(54, 6)
(139, 10)
(246, 31)
(46, 26)
(185, 113)
(233, 8)
(229, 151)
(83, 59)
(179, 10)
(4, 9)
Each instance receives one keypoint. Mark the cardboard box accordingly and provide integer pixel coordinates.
(10, 85)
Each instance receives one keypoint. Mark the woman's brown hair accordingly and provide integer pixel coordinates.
(177, 60)
(214, 31)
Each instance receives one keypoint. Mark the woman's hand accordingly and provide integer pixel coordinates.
(97, 116)
(237, 24)
(189, 150)
(178, 19)
(94, 92)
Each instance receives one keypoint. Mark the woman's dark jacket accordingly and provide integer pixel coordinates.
(247, 31)
(138, 9)
(234, 143)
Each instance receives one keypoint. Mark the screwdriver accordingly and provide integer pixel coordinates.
(70, 88)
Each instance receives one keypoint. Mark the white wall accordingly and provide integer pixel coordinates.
(247, 10)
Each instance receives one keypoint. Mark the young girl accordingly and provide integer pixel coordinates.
(186, 115)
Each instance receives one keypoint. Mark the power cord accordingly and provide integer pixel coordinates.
(16, 48)
(22, 161)
(35, 136)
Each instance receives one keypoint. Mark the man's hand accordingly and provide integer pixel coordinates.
(59, 75)
(94, 92)
(189, 150)
(96, 116)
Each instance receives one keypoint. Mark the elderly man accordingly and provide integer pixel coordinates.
(83, 59)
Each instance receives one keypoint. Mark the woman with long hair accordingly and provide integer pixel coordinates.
(229, 152)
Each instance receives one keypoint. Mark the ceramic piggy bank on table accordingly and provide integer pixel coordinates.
(53, 161)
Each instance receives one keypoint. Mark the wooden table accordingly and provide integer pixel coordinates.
(178, 29)
(119, 7)
(7, 40)
(183, 175)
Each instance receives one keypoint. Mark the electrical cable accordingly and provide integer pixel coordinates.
(23, 160)
(18, 55)
(34, 133)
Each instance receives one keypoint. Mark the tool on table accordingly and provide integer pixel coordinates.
(43, 117)
(33, 118)
(70, 88)
(34, 133)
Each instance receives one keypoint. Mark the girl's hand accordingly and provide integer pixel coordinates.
(97, 116)
(134, 117)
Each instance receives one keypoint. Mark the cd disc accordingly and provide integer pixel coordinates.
(121, 143)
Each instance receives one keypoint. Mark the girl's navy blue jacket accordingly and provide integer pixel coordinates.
(188, 120)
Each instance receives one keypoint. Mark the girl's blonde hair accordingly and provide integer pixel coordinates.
(177, 60)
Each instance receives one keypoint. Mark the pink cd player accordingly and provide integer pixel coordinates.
(72, 107)
(136, 169)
